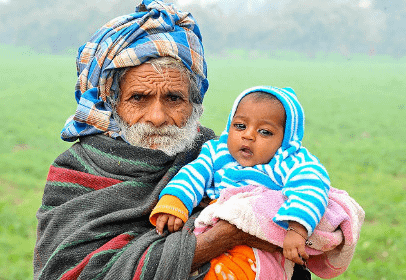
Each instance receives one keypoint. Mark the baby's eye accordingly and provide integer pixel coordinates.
(265, 132)
(239, 126)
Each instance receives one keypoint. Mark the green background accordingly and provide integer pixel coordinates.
(355, 124)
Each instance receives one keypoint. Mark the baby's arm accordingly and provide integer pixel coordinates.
(169, 211)
(184, 192)
(172, 222)
(294, 243)
(192, 181)
(306, 189)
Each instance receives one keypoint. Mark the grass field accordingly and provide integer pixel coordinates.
(355, 123)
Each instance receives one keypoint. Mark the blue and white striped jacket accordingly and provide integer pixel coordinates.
(293, 170)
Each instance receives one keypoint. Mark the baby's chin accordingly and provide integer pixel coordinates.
(249, 164)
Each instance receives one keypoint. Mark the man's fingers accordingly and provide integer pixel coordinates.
(161, 222)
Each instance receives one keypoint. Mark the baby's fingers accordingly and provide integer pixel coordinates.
(171, 223)
(302, 252)
(160, 223)
(292, 254)
(178, 224)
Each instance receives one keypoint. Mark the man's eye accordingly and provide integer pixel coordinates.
(265, 132)
(174, 97)
(239, 126)
(137, 97)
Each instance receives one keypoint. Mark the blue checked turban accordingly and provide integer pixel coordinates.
(156, 29)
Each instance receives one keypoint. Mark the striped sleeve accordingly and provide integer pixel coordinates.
(190, 183)
(306, 189)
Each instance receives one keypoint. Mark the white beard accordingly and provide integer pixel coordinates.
(170, 139)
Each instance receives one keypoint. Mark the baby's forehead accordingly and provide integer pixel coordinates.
(259, 99)
(258, 106)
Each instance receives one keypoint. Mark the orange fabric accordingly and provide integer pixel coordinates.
(169, 204)
(238, 263)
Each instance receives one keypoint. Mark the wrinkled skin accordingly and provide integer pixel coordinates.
(157, 99)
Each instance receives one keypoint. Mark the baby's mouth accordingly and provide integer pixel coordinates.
(246, 151)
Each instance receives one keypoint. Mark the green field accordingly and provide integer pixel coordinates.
(355, 123)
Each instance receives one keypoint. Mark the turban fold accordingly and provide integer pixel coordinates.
(156, 29)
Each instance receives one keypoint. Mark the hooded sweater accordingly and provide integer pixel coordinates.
(293, 170)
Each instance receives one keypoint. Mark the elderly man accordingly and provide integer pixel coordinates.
(142, 79)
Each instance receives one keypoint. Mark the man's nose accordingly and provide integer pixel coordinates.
(157, 114)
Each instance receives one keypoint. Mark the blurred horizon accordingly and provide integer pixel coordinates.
(345, 59)
(369, 27)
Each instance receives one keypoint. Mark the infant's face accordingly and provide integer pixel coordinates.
(256, 131)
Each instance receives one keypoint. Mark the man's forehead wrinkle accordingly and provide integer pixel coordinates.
(171, 77)
(155, 84)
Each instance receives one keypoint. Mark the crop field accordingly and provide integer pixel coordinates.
(355, 124)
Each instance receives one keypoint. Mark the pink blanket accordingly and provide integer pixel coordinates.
(251, 208)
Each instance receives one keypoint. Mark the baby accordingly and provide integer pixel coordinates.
(261, 145)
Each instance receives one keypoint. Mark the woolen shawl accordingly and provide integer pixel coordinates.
(93, 222)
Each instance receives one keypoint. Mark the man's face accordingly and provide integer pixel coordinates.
(256, 131)
(155, 108)
(154, 98)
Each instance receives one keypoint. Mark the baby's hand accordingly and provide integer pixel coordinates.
(294, 245)
(173, 223)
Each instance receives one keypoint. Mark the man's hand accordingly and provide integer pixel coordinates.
(294, 244)
(249, 240)
(223, 237)
(172, 222)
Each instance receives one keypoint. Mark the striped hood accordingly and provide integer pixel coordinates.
(294, 113)
(293, 167)
(291, 152)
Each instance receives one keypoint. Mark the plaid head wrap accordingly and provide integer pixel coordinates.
(156, 29)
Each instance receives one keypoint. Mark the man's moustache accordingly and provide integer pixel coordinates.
(158, 132)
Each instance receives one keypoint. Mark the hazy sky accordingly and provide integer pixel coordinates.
(250, 6)
(349, 26)
(361, 3)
